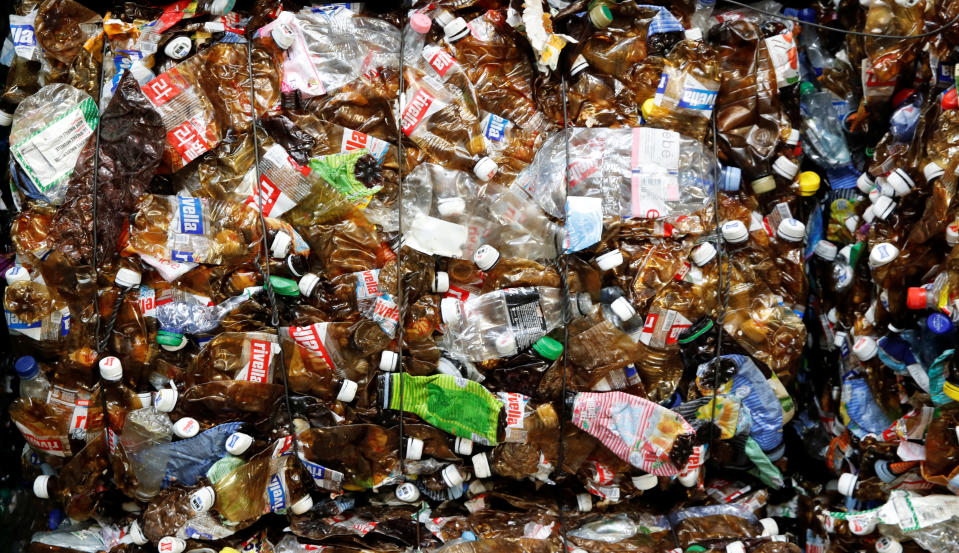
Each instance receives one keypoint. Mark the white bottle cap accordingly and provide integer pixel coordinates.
(481, 466)
(791, 230)
(5, 118)
(584, 502)
(282, 243)
(886, 544)
(455, 29)
(307, 284)
(389, 361)
(691, 478)
(238, 442)
(734, 232)
(852, 223)
(847, 484)
(178, 48)
(884, 187)
(451, 476)
(826, 250)
(485, 168)
(407, 492)
(221, 7)
(485, 257)
(463, 446)
(505, 344)
(793, 138)
(610, 259)
(283, 35)
(17, 273)
(451, 207)
(623, 309)
(111, 369)
(302, 506)
(875, 194)
(136, 533)
(41, 486)
(645, 482)
(579, 64)
(952, 234)
(187, 427)
(202, 500)
(883, 207)
(347, 391)
(784, 167)
(450, 310)
(703, 254)
(865, 183)
(171, 544)
(693, 34)
(932, 171)
(865, 348)
(770, 528)
(882, 254)
(900, 181)
(441, 282)
(414, 449)
(127, 278)
(165, 400)
(869, 215)
(735, 547)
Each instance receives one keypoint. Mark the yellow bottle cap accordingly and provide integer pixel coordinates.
(808, 183)
(648, 106)
(228, 550)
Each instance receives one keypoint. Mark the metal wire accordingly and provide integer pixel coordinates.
(400, 294)
(561, 457)
(722, 282)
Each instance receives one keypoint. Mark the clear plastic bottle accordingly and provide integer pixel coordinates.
(822, 129)
(33, 383)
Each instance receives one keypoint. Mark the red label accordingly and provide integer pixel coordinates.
(683, 271)
(269, 193)
(301, 169)
(171, 15)
(650, 325)
(356, 141)
(258, 368)
(308, 337)
(580, 170)
(163, 88)
(514, 409)
(674, 333)
(186, 140)
(48, 444)
(416, 110)
(442, 61)
(458, 293)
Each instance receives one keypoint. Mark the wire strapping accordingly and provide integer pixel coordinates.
(561, 457)
(400, 295)
(935, 31)
(722, 281)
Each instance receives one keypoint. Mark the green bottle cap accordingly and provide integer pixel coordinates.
(706, 326)
(168, 338)
(284, 286)
(870, 152)
(548, 348)
(807, 88)
(695, 549)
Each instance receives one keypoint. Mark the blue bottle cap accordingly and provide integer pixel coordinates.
(883, 471)
(808, 15)
(937, 323)
(732, 177)
(27, 367)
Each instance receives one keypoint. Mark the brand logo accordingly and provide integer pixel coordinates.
(191, 215)
(268, 193)
(260, 351)
(495, 127)
(416, 110)
(514, 409)
(162, 89)
(442, 61)
(309, 338)
(275, 494)
(697, 98)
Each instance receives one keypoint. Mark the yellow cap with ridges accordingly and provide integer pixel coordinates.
(809, 183)
(648, 106)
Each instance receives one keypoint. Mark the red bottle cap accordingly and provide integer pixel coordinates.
(950, 100)
(916, 298)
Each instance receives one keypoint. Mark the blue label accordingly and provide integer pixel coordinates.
(182, 256)
(698, 98)
(276, 495)
(944, 73)
(23, 35)
(197, 534)
(663, 79)
(191, 215)
(14, 322)
(121, 62)
(65, 324)
(495, 127)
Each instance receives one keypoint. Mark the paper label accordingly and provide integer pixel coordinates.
(697, 97)
(494, 127)
(355, 140)
(421, 106)
(187, 140)
(23, 35)
(663, 327)
(258, 355)
(164, 87)
(515, 407)
(525, 315)
(311, 338)
(49, 444)
(654, 163)
(386, 314)
(784, 58)
(439, 59)
(191, 215)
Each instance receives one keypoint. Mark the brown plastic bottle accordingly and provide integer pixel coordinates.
(592, 101)
(688, 89)
(789, 277)
(364, 454)
(942, 446)
(528, 434)
(78, 480)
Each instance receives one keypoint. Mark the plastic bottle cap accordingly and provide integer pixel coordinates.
(485, 168)
(610, 259)
(703, 254)
(165, 400)
(883, 471)
(27, 367)
(693, 34)
(647, 107)
(505, 344)
(171, 544)
(485, 257)
(16, 274)
(916, 297)
(308, 284)
(283, 35)
(171, 341)
(548, 348)
(584, 304)
(178, 48)
(785, 167)
(407, 492)
(601, 16)
(764, 184)
(731, 179)
(347, 391)
(414, 449)
(645, 482)
(932, 171)
(886, 544)
(735, 547)
(809, 183)
(302, 506)
(481, 466)
(691, 478)
(5, 118)
(852, 223)
(202, 500)
(111, 369)
(441, 282)
(869, 215)
(832, 315)
(882, 254)
(187, 427)
(865, 348)
(793, 138)
(579, 64)
(826, 250)
(900, 181)
(883, 207)
(791, 230)
(875, 194)
(770, 528)
(221, 7)
(136, 534)
(41, 486)
(734, 232)
(282, 243)
(952, 235)
(389, 361)
(463, 446)
(455, 29)
(238, 442)
(584, 502)
(450, 310)
(938, 323)
(623, 309)
(865, 183)
(284, 286)
(451, 476)
(127, 278)
(451, 207)
(421, 23)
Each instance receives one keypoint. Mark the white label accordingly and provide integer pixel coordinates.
(785, 60)
(654, 163)
(148, 301)
(663, 327)
(355, 140)
(50, 155)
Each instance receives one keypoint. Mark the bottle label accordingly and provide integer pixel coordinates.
(386, 314)
(23, 35)
(697, 97)
(661, 89)
(192, 217)
(494, 127)
(49, 155)
(257, 357)
(663, 327)
(439, 59)
(148, 301)
(326, 479)
(655, 172)
(367, 289)
(282, 183)
(80, 418)
(784, 58)
(514, 406)
(47, 443)
(275, 495)
(311, 338)
(355, 140)
(525, 315)
(420, 107)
